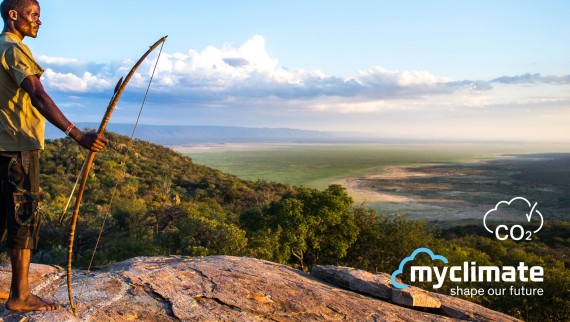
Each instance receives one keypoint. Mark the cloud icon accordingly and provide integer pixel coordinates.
(400, 269)
(532, 211)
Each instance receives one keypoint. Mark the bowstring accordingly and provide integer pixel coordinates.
(123, 174)
(62, 217)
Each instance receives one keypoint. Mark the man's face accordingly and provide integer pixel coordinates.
(28, 21)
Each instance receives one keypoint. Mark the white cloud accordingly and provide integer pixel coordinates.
(69, 82)
(226, 68)
(382, 77)
(248, 71)
(229, 78)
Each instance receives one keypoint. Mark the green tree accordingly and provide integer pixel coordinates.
(384, 240)
(311, 226)
(195, 229)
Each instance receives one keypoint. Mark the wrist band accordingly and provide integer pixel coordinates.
(69, 128)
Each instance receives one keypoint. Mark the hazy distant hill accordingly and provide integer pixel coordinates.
(181, 135)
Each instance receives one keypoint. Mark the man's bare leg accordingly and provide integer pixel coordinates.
(4, 295)
(21, 299)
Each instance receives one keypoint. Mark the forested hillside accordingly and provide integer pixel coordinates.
(166, 204)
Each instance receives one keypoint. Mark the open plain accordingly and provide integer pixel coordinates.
(448, 183)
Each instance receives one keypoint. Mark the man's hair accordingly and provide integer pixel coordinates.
(18, 5)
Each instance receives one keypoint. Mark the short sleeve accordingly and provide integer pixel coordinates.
(21, 64)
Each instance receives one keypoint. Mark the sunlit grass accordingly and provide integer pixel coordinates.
(318, 165)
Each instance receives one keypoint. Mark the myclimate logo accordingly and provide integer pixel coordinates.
(467, 272)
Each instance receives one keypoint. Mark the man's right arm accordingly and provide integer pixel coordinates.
(47, 107)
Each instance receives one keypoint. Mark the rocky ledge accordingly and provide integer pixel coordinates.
(226, 288)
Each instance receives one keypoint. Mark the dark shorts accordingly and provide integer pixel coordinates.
(20, 216)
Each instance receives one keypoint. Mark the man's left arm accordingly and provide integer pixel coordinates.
(47, 107)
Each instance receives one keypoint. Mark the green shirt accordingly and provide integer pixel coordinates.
(21, 124)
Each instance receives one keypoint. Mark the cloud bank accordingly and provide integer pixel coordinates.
(228, 79)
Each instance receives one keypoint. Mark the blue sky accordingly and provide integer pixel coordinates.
(492, 70)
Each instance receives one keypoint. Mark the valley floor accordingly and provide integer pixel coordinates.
(460, 192)
(454, 183)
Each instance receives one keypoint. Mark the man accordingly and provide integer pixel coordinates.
(24, 106)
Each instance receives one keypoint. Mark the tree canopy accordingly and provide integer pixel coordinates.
(166, 204)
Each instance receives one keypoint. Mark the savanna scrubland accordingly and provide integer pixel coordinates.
(168, 204)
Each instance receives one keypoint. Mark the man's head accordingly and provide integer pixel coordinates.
(21, 17)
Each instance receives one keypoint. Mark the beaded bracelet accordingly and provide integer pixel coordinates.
(69, 128)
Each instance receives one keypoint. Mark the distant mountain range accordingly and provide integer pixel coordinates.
(189, 135)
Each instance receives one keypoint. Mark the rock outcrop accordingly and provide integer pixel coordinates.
(222, 288)
(379, 286)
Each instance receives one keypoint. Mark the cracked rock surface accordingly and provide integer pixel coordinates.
(214, 288)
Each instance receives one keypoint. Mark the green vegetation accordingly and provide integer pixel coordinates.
(319, 165)
(167, 204)
(448, 184)
(164, 204)
(307, 227)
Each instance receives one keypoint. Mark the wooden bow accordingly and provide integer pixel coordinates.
(85, 174)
